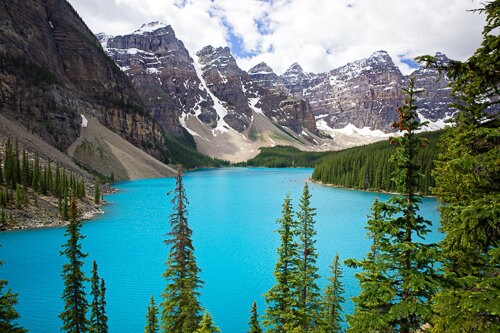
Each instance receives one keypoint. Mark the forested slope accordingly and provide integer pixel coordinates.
(370, 168)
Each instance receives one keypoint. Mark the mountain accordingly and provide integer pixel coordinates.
(366, 92)
(227, 112)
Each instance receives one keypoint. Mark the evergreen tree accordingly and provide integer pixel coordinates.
(254, 325)
(95, 309)
(467, 185)
(180, 311)
(309, 294)
(207, 325)
(152, 318)
(75, 302)
(332, 300)
(8, 313)
(97, 193)
(398, 279)
(103, 322)
(282, 299)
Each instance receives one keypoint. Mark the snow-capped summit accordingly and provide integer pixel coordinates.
(150, 27)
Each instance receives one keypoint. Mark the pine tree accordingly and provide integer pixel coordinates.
(332, 300)
(75, 302)
(207, 325)
(97, 193)
(467, 185)
(282, 299)
(103, 322)
(8, 314)
(152, 318)
(95, 306)
(180, 310)
(399, 279)
(309, 294)
(254, 325)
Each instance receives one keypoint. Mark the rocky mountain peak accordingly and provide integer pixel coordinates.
(260, 68)
(219, 57)
(296, 79)
(152, 27)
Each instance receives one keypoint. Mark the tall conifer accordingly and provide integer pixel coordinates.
(74, 297)
(254, 325)
(333, 299)
(180, 310)
(309, 294)
(467, 185)
(152, 318)
(398, 278)
(282, 299)
(98, 319)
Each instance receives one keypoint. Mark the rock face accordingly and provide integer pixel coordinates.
(211, 87)
(48, 91)
(366, 93)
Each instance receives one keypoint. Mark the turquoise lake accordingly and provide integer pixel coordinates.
(232, 213)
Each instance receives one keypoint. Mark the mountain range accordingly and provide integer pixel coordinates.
(145, 90)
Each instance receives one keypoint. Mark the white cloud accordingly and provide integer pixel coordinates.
(319, 35)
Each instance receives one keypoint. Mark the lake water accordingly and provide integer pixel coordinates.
(232, 213)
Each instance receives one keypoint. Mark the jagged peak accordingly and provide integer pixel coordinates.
(210, 50)
(261, 68)
(151, 27)
(381, 57)
(294, 68)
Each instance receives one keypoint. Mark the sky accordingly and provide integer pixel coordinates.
(320, 35)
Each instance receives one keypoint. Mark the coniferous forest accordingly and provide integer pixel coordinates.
(407, 285)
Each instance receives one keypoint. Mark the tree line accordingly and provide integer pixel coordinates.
(24, 178)
(369, 167)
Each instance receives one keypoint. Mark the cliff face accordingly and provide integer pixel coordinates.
(48, 90)
(366, 93)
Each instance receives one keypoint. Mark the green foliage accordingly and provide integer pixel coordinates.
(331, 307)
(467, 184)
(309, 293)
(74, 297)
(98, 322)
(282, 299)
(368, 167)
(253, 323)
(97, 193)
(398, 277)
(8, 314)
(207, 325)
(152, 325)
(180, 310)
(284, 157)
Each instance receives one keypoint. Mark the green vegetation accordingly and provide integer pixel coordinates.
(180, 310)
(253, 323)
(284, 157)
(398, 277)
(333, 299)
(98, 320)
(468, 187)
(8, 314)
(23, 179)
(152, 325)
(369, 167)
(74, 296)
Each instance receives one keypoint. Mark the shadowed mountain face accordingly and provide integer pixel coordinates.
(53, 70)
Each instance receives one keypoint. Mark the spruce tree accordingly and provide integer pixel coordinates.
(95, 309)
(152, 318)
(309, 294)
(398, 278)
(332, 299)
(8, 314)
(180, 310)
(282, 299)
(467, 185)
(75, 302)
(207, 325)
(97, 193)
(103, 322)
(254, 325)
